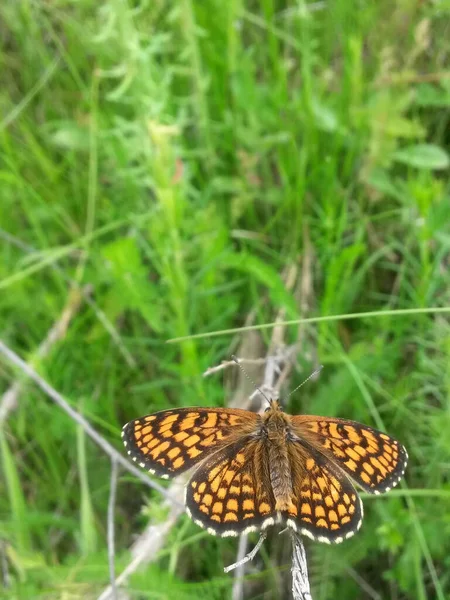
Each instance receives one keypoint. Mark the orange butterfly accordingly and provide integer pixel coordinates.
(257, 470)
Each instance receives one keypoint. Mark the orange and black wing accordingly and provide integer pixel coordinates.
(230, 493)
(325, 506)
(373, 459)
(170, 442)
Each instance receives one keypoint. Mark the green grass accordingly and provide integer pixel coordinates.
(177, 157)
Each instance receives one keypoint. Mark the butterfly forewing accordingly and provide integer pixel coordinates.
(170, 442)
(325, 505)
(230, 491)
(373, 459)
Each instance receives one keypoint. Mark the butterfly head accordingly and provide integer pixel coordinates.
(274, 406)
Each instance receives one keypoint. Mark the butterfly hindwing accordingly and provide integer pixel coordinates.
(325, 506)
(230, 492)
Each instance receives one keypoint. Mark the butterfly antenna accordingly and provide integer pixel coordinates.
(236, 360)
(315, 372)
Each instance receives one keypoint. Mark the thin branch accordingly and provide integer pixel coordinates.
(237, 592)
(247, 557)
(111, 508)
(299, 569)
(9, 400)
(288, 359)
(73, 414)
(230, 363)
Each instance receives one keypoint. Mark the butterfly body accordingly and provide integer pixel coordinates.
(275, 436)
(256, 470)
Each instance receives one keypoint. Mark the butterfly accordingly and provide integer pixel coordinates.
(255, 470)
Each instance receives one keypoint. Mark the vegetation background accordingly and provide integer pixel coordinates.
(162, 164)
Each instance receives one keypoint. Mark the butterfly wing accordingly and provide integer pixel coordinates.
(373, 459)
(170, 442)
(230, 492)
(324, 506)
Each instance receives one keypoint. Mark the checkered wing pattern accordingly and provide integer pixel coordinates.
(373, 459)
(170, 442)
(230, 492)
(325, 506)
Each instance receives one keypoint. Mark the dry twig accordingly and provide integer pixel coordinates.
(247, 557)
(299, 570)
(230, 363)
(237, 592)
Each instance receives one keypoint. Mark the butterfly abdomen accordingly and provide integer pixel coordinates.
(276, 429)
(280, 476)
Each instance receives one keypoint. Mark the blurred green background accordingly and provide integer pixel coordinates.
(164, 165)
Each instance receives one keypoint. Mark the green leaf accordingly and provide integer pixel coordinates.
(325, 118)
(68, 135)
(88, 533)
(423, 156)
(432, 96)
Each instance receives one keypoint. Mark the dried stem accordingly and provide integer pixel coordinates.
(237, 592)
(230, 363)
(247, 557)
(300, 582)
